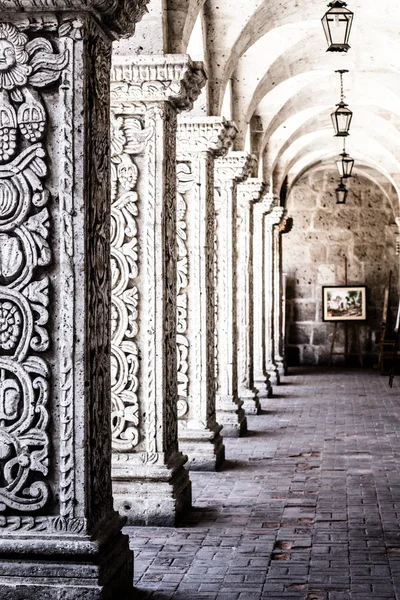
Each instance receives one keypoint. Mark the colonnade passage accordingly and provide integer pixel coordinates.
(169, 225)
(306, 508)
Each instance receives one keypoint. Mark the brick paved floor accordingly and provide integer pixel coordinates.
(307, 506)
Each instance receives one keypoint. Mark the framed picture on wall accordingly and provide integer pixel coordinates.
(344, 303)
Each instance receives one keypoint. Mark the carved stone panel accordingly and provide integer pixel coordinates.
(228, 172)
(185, 183)
(248, 193)
(199, 140)
(26, 254)
(55, 485)
(270, 221)
(150, 484)
(261, 378)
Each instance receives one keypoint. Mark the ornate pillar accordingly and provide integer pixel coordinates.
(249, 192)
(59, 534)
(282, 227)
(270, 292)
(150, 484)
(229, 171)
(199, 141)
(261, 378)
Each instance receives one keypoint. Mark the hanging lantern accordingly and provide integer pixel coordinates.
(341, 117)
(337, 23)
(344, 164)
(341, 193)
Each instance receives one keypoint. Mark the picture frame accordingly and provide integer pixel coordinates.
(344, 303)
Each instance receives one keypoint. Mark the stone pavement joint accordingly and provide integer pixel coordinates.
(306, 506)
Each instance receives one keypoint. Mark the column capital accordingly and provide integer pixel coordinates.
(205, 134)
(173, 78)
(275, 216)
(251, 190)
(265, 204)
(236, 166)
(119, 17)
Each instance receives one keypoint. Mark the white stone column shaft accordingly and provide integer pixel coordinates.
(199, 141)
(270, 221)
(277, 258)
(249, 192)
(150, 484)
(59, 534)
(261, 378)
(229, 171)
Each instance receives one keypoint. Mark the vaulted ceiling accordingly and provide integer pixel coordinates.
(269, 71)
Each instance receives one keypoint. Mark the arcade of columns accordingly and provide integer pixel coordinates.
(195, 338)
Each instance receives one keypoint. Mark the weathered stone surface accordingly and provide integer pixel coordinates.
(59, 535)
(299, 333)
(304, 311)
(361, 231)
(150, 483)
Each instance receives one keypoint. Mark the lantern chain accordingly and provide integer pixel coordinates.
(341, 71)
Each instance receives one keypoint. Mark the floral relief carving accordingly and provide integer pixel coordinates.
(26, 66)
(170, 128)
(185, 181)
(128, 138)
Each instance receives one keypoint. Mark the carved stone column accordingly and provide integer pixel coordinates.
(282, 227)
(229, 171)
(59, 534)
(261, 378)
(199, 141)
(270, 292)
(249, 192)
(150, 484)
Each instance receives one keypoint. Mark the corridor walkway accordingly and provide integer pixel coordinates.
(307, 507)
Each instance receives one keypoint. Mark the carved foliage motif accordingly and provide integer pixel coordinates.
(244, 236)
(128, 138)
(26, 66)
(185, 181)
(176, 79)
(210, 275)
(97, 251)
(170, 129)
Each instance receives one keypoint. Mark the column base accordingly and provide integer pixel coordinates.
(251, 401)
(69, 567)
(230, 414)
(150, 495)
(204, 447)
(264, 387)
(281, 366)
(273, 374)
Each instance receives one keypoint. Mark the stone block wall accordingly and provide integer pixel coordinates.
(313, 256)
